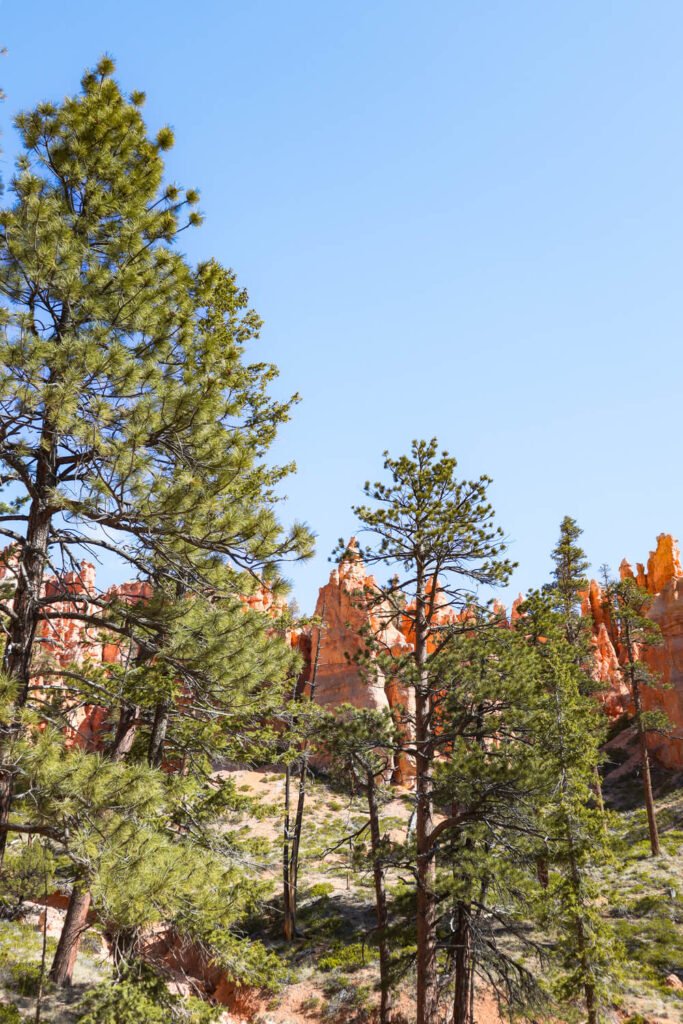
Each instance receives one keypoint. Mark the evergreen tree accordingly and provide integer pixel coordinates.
(219, 672)
(300, 726)
(438, 533)
(131, 422)
(569, 581)
(144, 847)
(628, 604)
(360, 744)
(569, 733)
(488, 775)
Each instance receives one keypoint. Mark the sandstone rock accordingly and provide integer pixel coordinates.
(347, 607)
(664, 564)
(664, 580)
(35, 914)
(514, 611)
(674, 982)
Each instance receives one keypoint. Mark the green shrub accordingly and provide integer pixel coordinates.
(348, 957)
(25, 978)
(9, 1014)
(653, 942)
(318, 890)
(145, 999)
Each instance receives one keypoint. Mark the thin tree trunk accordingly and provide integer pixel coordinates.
(43, 956)
(290, 859)
(290, 914)
(155, 750)
(298, 826)
(125, 732)
(462, 967)
(21, 628)
(642, 743)
(647, 777)
(427, 990)
(380, 904)
(75, 924)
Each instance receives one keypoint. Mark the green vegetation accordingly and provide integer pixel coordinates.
(134, 423)
(143, 999)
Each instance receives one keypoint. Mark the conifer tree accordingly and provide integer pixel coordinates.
(628, 604)
(360, 744)
(300, 726)
(488, 775)
(570, 581)
(219, 672)
(437, 532)
(143, 845)
(569, 733)
(131, 422)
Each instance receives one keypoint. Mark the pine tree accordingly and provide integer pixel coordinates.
(570, 729)
(570, 582)
(301, 724)
(439, 531)
(143, 846)
(488, 775)
(628, 604)
(219, 671)
(360, 744)
(131, 422)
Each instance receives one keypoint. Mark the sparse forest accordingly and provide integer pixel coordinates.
(419, 804)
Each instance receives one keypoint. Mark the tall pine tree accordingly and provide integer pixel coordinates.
(131, 422)
(438, 533)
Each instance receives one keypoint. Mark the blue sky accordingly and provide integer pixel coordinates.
(457, 219)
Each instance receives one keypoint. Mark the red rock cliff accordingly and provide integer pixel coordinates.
(346, 608)
(663, 578)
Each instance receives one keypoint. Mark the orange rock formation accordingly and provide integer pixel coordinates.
(663, 578)
(347, 607)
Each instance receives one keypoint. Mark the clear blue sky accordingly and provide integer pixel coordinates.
(461, 219)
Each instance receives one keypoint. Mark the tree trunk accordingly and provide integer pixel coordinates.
(542, 873)
(289, 904)
(427, 990)
(380, 905)
(298, 824)
(462, 967)
(647, 777)
(21, 628)
(588, 987)
(125, 732)
(155, 750)
(75, 924)
(290, 861)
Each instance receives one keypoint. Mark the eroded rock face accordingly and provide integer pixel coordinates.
(346, 609)
(663, 578)
(68, 640)
(665, 581)
(349, 613)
